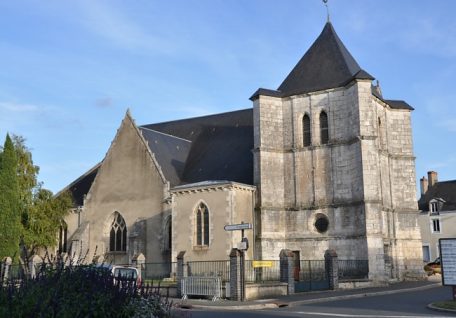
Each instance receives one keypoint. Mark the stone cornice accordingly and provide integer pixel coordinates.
(310, 238)
(210, 187)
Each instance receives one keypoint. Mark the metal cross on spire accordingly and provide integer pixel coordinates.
(327, 9)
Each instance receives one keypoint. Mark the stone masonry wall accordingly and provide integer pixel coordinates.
(297, 183)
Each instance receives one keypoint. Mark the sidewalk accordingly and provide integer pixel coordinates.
(305, 298)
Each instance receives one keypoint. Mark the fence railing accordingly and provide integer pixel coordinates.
(353, 269)
(311, 270)
(209, 269)
(158, 271)
(16, 272)
(269, 271)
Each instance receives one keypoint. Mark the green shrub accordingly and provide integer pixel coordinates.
(78, 291)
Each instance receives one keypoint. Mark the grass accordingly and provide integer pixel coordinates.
(163, 283)
(447, 304)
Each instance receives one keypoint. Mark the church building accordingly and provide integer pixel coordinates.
(322, 162)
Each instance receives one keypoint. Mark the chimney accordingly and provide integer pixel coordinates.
(432, 178)
(423, 185)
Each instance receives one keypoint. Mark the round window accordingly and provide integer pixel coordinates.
(321, 223)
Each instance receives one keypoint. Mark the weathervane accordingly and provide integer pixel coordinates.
(327, 9)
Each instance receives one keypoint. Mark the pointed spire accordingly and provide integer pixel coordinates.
(327, 10)
(327, 64)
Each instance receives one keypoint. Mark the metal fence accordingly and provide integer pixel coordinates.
(16, 272)
(270, 272)
(308, 270)
(353, 269)
(209, 269)
(159, 271)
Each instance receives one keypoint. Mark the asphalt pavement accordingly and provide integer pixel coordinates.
(307, 297)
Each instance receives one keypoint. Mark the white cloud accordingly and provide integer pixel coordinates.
(447, 162)
(428, 36)
(111, 24)
(18, 107)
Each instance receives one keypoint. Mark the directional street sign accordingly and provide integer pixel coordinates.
(238, 227)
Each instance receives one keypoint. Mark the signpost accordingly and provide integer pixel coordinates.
(243, 246)
(236, 227)
(448, 262)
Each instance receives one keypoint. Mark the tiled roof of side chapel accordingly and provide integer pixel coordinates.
(219, 146)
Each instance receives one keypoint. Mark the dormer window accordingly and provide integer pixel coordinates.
(434, 207)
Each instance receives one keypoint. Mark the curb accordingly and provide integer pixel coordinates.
(278, 304)
(354, 296)
(431, 306)
(236, 307)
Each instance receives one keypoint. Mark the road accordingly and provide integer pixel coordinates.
(400, 305)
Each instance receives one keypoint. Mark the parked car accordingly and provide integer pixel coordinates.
(433, 267)
(122, 273)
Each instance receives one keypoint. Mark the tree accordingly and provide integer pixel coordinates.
(37, 213)
(44, 218)
(10, 218)
(41, 212)
(27, 174)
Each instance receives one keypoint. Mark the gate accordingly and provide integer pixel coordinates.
(310, 275)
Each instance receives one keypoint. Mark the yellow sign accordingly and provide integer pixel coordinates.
(262, 264)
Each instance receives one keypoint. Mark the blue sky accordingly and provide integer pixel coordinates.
(70, 69)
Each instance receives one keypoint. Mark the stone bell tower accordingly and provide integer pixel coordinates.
(334, 166)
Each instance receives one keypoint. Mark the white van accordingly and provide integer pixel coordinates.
(125, 273)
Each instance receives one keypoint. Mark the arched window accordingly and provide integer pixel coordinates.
(324, 132)
(306, 131)
(63, 232)
(118, 234)
(202, 225)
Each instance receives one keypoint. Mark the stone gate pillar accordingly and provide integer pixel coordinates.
(237, 291)
(139, 262)
(287, 269)
(180, 272)
(6, 266)
(33, 264)
(332, 268)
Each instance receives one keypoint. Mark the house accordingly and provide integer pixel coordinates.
(322, 162)
(437, 217)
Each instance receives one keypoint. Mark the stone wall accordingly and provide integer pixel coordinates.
(228, 203)
(360, 180)
(130, 182)
(317, 180)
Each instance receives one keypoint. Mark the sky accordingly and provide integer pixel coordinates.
(69, 70)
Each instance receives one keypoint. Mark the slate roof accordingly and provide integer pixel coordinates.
(394, 104)
(445, 190)
(171, 153)
(327, 64)
(81, 186)
(221, 146)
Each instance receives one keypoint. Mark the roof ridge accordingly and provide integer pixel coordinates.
(162, 133)
(196, 117)
(344, 51)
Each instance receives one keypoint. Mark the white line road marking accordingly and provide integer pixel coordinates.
(365, 316)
